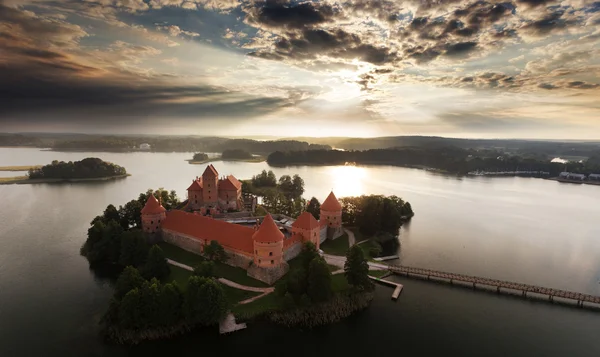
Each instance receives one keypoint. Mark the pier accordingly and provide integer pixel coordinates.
(500, 286)
(390, 257)
(397, 287)
(229, 325)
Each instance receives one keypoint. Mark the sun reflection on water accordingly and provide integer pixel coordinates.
(348, 180)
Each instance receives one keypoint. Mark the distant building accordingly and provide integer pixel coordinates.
(571, 176)
(594, 177)
(261, 245)
(145, 146)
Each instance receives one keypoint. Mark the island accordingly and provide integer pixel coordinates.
(89, 169)
(226, 155)
(218, 257)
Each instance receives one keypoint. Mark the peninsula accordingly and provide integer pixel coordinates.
(89, 169)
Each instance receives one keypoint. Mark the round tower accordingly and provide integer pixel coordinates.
(153, 214)
(331, 211)
(268, 244)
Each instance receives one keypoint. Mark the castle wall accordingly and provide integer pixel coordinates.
(323, 234)
(333, 218)
(238, 260)
(183, 241)
(195, 200)
(292, 251)
(268, 275)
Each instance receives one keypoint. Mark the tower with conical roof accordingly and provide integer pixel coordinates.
(331, 216)
(268, 244)
(153, 214)
(307, 228)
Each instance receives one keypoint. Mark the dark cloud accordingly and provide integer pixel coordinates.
(281, 14)
(535, 3)
(460, 49)
(551, 22)
(582, 85)
(547, 86)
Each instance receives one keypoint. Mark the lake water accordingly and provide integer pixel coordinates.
(520, 229)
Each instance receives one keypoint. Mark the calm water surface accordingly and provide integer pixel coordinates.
(520, 229)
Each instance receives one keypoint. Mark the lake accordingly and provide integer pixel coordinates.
(520, 229)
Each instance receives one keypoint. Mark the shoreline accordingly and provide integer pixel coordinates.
(20, 167)
(252, 160)
(24, 180)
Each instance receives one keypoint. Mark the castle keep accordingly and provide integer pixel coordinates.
(216, 209)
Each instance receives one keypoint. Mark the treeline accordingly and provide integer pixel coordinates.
(450, 159)
(87, 168)
(144, 309)
(236, 154)
(282, 196)
(200, 156)
(181, 144)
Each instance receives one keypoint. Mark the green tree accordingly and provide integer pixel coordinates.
(129, 279)
(215, 251)
(319, 281)
(193, 300)
(171, 304)
(356, 269)
(95, 233)
(134, 249)
(156, 264)
(308, 253)
(130, 310)
(107, 249)
(214, 302)
(296, 282)
(286, 185)
(205, 269)
(131, 214)
(314, 207)
(297, 186)
(150, 303)
(111, 213)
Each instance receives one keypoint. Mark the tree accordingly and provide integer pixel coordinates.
(314, 207)
(150, 303)
(205, 269)
(286, 185)
(171, 304)
(134, 249)
(319, 280)
(111, 213)
(129, 279)
(156, 264)
(356, 269)
(205, 301)
(297, 186)
(130, 309)
(308, 253)
(215, 251)
(296, 282)
(168, 199)
(131, 214)
(104, 243)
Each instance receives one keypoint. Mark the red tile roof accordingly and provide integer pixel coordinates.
(229, 235)
(331, 203)
(152, 206)
(268, 232)
(210, 171)
(196, 185)
(306, 221)
(230, 183)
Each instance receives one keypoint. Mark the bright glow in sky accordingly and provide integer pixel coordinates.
(462, 68)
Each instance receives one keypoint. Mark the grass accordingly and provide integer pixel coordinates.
(179, 275)
(19, 168)
(339, 283)
(223, 270)
(338, 246)
(257, 307)
(14, 179)
(377, 273)
(236, 295)
(366, 247)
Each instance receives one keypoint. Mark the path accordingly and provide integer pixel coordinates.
(339, 261)
(228, 282)
(351, 237)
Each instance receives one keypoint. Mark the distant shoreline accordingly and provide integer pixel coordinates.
(20, 168)
(594, 183)
(23, 180)
(254, 159)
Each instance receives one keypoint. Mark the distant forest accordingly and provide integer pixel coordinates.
(449, 159)
(69, 142)
(87, 168)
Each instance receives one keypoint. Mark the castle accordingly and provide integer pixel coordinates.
(261, 245)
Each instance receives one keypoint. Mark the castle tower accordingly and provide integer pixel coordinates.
(210, 186)
(153, 214)
(268, 244)
(195, 194)
(308, 228)
(331, 215)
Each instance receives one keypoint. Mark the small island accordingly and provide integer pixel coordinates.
(226, 155)
(89, 169)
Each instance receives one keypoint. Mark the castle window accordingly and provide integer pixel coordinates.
(156, 228)
(270, 254)
(159, 221)
(196, 201)
(256, 252)
(259, 261)
(151, 222)
(195, 196)
(272, 262)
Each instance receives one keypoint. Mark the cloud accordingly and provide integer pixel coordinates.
(278, 14)
(175, 31)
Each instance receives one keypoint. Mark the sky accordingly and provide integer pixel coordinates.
(361, 68)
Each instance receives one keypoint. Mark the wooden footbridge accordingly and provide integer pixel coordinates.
(498, 284)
